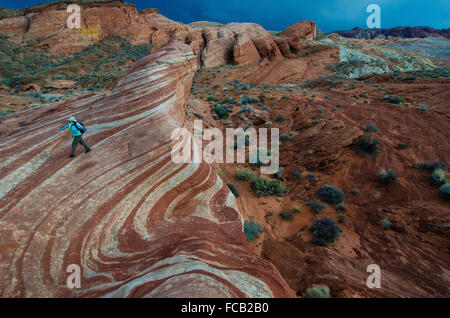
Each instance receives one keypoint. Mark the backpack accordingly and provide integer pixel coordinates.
(82, 130)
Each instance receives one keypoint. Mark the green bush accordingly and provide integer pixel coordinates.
(370, 128)
(296, 210)
(318, 291)
(445, 192)
(280, 118)
(394, 100)
(233, 190)
(297, 175)
(324, 230)
(316, 206)
(211, 98)
(367, 146)
(330, 194)
(8, 111)
(386, 223)
(244, 175)
(430, 166)
(252, 230)
(438, 177)
(387, 177)
(341, 207)
(222, 112)
(264, 187)
(287, 215)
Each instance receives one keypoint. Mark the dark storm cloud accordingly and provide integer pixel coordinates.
(278, 14)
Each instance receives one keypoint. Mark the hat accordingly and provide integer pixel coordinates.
(71, 119)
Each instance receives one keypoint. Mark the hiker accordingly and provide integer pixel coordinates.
(76, 129)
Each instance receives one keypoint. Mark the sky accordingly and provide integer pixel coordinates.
(330, 15)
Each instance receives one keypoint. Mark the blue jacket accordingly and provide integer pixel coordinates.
(74, 129)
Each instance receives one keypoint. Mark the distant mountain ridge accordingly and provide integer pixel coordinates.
(401, 32)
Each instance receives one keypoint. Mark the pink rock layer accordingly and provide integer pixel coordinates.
(136, 223)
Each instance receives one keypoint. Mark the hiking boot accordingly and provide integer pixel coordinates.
(88, 150)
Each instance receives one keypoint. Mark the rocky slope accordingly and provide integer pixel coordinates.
(137, 224)
(138, 216)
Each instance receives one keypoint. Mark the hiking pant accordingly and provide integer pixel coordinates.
(78, 140)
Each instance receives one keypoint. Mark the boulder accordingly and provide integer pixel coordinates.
(301, 30)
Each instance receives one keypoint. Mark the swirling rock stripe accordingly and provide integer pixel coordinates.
(136, 223)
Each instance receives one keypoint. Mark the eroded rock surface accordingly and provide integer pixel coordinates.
(136, 223)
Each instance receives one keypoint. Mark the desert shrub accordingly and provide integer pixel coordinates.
(287, 215)
(387, 177)
(367, 146)
(394, 100)
(318, 291)
(316, 206)
(233, 190)
(222, 112)
(385, 223)
(431, 166)
(248, 100)
(312, 178)
(8, 111)
(229, 100)
(341, 218)
(370, 128)
(244, 175)
(264, 187)
(198, 116)
(324, 230)
(422, 108)
(244, 109)
(279, 174)
(445, 192)
(402, 146)
(252, 230)
(330, 194)
(355, 191)
(280, 118)
(297, 175)
(438, 177)
(211, 98)
(285, 138)
(341, 207)
(296, 210)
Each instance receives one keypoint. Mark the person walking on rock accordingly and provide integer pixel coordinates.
(77, 130)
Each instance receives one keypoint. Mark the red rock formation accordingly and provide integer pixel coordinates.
(301, 30)
(137, 223)
(48, 26)
(234, 43)
(244, 51)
